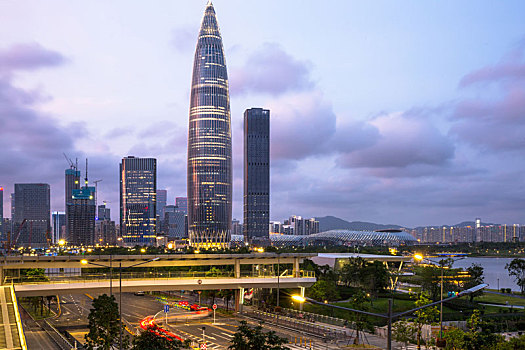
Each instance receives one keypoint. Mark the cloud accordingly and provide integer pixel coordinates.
(403, 141)
(510, 69)
(494, 121)
(272, 71)
(29, 57)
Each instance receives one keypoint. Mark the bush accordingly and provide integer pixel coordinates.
(503, 290)
(509, 290)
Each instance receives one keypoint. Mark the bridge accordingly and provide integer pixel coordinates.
(254, 270)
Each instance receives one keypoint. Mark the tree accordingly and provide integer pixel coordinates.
(374, 277)
(104, 327)
(324, 290)
(455, 338)
(517, 270)
(476, 277)
(359, 301)
(251, 338)
(403, 331)
(424, 316)
(150, 339)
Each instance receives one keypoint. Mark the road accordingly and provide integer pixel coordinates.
(75, 309)
(36, 338)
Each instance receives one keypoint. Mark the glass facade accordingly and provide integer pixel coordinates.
(257, 175)
(138, 197)
(209, 142)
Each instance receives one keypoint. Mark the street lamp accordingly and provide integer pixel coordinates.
(85, 262)
(419, 257)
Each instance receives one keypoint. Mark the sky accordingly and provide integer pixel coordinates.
(405, 112)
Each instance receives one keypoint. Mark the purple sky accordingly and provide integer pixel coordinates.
(403, 112)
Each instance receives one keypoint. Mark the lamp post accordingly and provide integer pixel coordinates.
(390, 316)
(86, 262)
(278, 276)
(419, 257)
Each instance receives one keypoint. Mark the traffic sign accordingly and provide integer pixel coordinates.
(214, 306)
(166, 308)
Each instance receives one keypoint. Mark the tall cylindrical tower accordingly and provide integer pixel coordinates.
(209, 142)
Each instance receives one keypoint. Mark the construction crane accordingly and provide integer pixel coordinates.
(16, 235)
(70, 162)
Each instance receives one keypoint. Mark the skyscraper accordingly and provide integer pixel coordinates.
(72, 182)
(162, 199)
(32, 214)
(81, 216)
(2, 213)
(58, 222)
(209, 141)
(182, 204)
(256, 176)
(138, 197)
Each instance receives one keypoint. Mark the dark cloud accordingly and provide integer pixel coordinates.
(28, 57)
(270, 70)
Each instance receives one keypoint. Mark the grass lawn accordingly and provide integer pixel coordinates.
(500, 299)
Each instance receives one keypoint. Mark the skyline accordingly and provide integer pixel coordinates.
(374, 117)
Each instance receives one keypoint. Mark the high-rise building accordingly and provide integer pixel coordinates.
(2, 213)
(257, 176)
(182, 204)
(162, 199)
(72, 182)
(105, 232)
(209, 141)
(58, 219)
(104, 213)
(174, 223)
(81, 217)
(138, 193)
(32, 215)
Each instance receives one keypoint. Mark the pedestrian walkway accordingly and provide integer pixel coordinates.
(11, 332)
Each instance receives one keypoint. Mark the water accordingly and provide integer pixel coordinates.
(493, 270)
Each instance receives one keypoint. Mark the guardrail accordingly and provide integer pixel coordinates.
(312, 317)
(142, 275)
(322, 331)
(57, 337)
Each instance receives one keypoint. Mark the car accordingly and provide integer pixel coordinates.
(140, 293)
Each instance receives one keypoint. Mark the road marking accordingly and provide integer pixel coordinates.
(223, 337)
(89, 296)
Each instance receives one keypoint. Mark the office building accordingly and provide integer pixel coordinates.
(174, 223)
(2, 232)
(182, 204)
(104, 213)
(257, 176)
(32, 215)
(209, 181)
(58, 220)
(138, 193)
(105, 232)
(72, 182)
(162, 198)
(81, 217)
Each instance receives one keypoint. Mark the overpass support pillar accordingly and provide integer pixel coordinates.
(239, 299)
(1, 276)
(237, 268)
(296, 271)
(301, 292)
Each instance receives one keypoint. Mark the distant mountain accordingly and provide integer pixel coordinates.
(327, 223)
